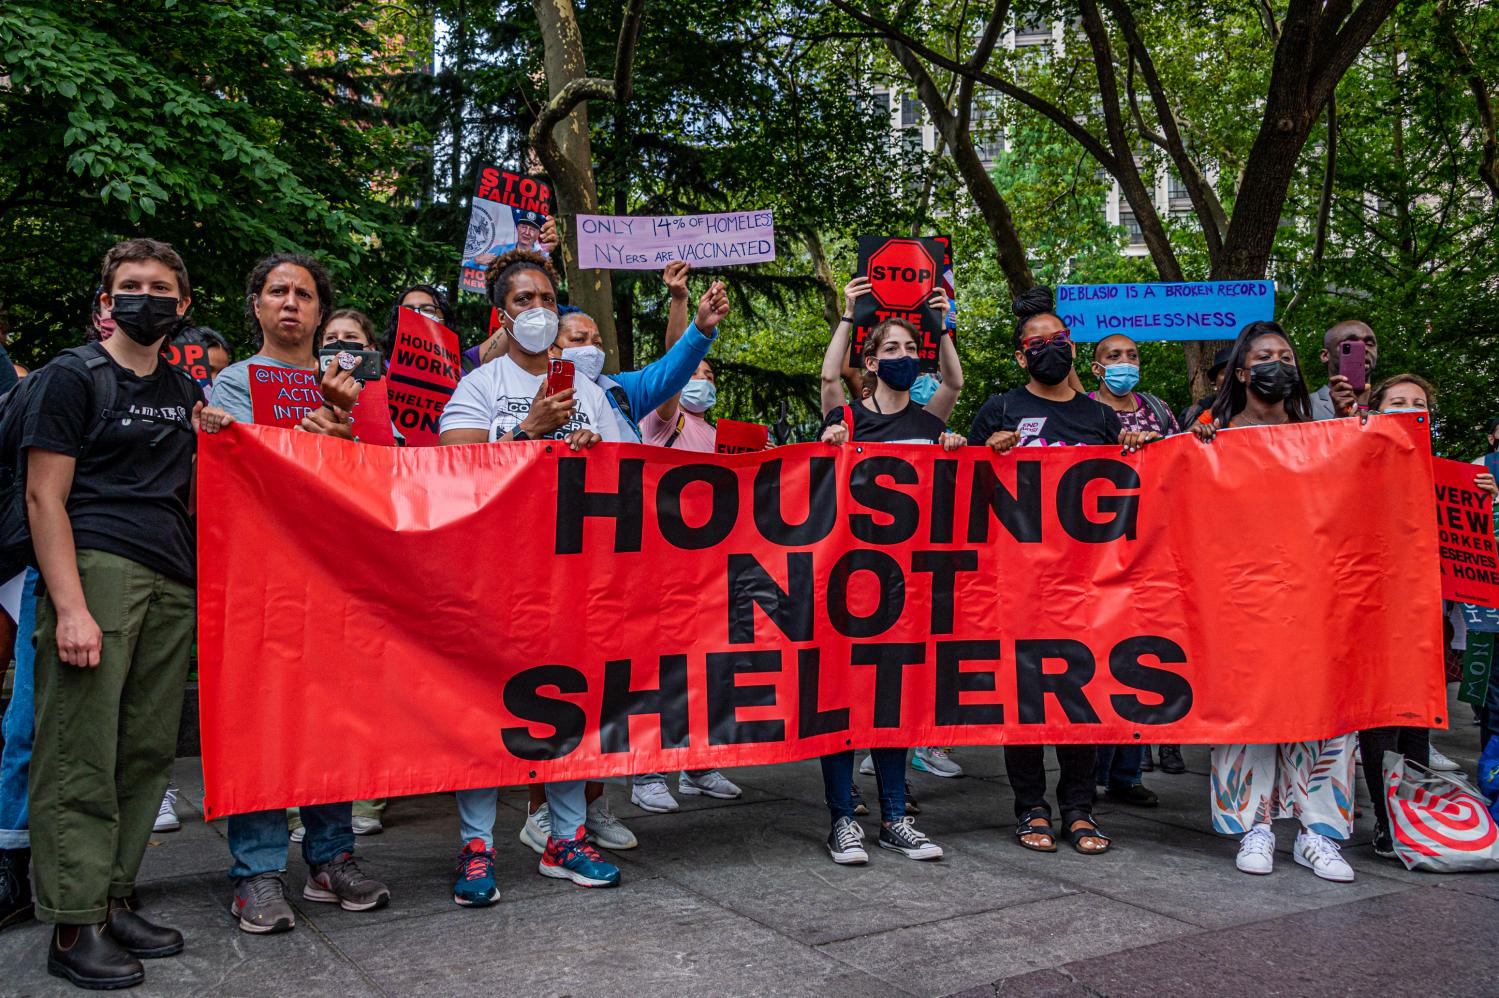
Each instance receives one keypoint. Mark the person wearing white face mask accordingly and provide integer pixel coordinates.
(634, 393)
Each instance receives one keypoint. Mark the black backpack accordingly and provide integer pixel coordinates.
(16, 552)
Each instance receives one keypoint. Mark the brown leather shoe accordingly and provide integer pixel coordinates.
(140, 937)
(90, 958)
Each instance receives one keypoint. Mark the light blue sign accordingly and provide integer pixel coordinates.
(1200, 310)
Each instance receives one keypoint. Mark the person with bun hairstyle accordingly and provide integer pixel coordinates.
(1049, 410)
(886, 414)
(1311, 781)
(501, 402)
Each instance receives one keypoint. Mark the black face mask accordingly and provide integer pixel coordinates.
(1051, 362)
(145, 318)
(1274, 380)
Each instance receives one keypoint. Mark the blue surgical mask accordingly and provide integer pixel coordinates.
(924, 388)
(699, 394)
(1121, 378)
(1407, 408)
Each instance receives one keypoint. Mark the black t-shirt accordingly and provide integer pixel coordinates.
(132, 486)
(1042, 422)
(911, 425)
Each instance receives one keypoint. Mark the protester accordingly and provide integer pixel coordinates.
(288, 298)
(1311, 781)
(885, 415)
(219, 354)
(1116, 365)
(107, 430)
(1337, 397)
(507, 401)
(16, 736)
(1049, 411)
(427, 299)
(629, 392)
(101, 325)
(936, 394)
(1198, 410)
(352, 329)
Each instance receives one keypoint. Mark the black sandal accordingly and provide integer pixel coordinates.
(1090, 830)
(1025, 828)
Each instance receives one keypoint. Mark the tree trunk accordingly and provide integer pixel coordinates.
(569, 165)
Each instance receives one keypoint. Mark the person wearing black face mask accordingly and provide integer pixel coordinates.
(1311, 781)
(1049, 411)
(108, 434)
(1263, 386)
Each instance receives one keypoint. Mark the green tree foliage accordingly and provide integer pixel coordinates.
(230, 130)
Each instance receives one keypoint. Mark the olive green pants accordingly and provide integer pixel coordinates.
(105, 736)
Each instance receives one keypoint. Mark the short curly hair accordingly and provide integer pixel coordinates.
(498, 277)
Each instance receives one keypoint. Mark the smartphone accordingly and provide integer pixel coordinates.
(1351, 363)
(559, 376)
(366, 364)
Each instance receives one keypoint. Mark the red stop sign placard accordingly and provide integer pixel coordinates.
(901, 273)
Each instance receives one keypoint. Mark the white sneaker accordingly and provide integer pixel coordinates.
(536, 829)
(367, 826)
(1322, 856)
(712, 784)
(1438, 761)
(1257, 851)
(867, 766)
(846, 843)
(166, 817)
(935, 761)
(653, 797)
(299, 833)
(604, 829)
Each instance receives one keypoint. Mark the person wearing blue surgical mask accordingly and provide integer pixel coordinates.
(1116, 365)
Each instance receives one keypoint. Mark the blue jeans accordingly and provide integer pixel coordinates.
(889, 774)
(1119, 766)
(258, 840)
(19, 726)
(567, 802)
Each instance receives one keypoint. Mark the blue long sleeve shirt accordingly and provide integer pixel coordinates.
(658, 381)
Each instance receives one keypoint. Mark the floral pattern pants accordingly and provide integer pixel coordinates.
(1309, 781)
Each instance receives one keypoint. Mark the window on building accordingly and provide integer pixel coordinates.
(910, 111)
(988, 142)
(1177, 198)
(1132, 226)
(879, 101)
(1032, 29)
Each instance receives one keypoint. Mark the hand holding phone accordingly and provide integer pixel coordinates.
(559, 376)
(1351, 361)
(364, 365)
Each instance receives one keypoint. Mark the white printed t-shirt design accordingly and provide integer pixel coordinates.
(497, 397)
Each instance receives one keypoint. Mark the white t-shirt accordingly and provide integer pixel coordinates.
(498, 395)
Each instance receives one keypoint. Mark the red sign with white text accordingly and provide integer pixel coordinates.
(1465, 530)
(664, 610)
(425, 366)
(282, 396)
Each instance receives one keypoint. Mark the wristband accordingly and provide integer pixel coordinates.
(519, 434)
(848, 319)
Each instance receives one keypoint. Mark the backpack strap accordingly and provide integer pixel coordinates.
(677, 430)
(1159, 410)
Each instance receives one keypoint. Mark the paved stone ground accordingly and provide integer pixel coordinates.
(739, 898)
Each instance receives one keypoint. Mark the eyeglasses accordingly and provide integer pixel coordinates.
(1036, 342)
(430, 311)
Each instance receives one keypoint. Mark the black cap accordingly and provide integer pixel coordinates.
(535, 218)
(1220, 361)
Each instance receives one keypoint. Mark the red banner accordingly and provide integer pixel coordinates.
(1465, 530)
(498, 614)
(425, 366)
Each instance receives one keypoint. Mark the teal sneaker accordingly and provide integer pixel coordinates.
(576, 860)
(475, 887)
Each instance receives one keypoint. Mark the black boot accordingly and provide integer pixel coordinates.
(1171, 760)
(87, 956)
(15, 887)
(139, 936)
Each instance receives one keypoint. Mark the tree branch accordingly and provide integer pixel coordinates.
(624, 53)
(1332, 59)
(584, 88)
(1324, 207)
(1205, 203)
(1267, 18)
(1045, 108)
(1488, 170)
